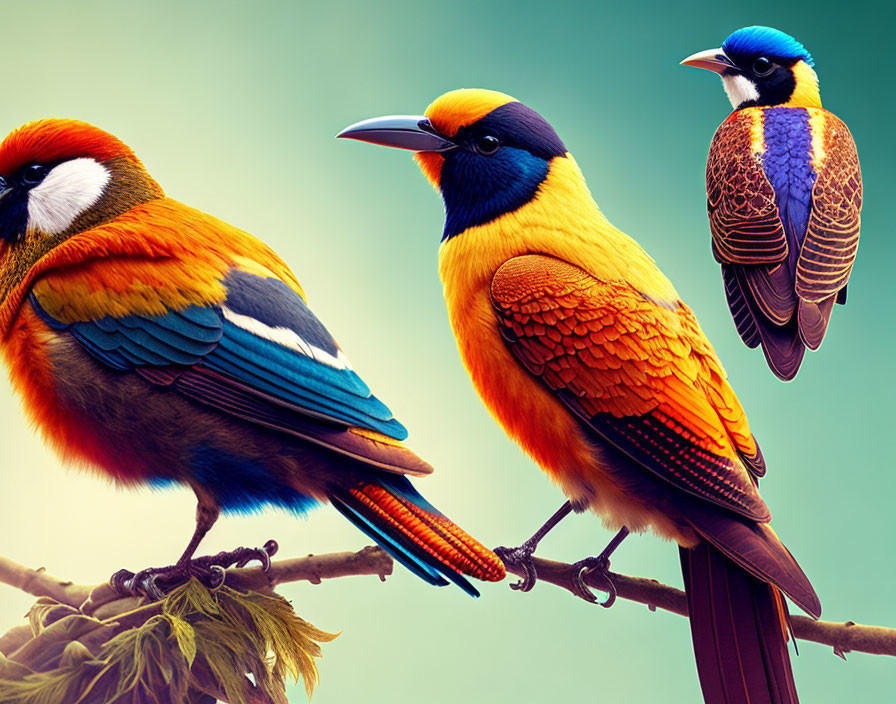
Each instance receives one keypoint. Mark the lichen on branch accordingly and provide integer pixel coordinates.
(239, 644)
(196, 646)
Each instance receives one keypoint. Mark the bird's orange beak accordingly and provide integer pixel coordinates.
(414, 132)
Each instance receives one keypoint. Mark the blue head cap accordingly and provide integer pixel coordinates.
(765, 41)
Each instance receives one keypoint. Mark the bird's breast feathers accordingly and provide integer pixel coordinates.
(563, 222)
(804, 133)
(790, 144)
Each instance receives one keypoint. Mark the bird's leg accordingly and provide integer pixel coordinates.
(522, 555)
(601, 564)
(206, 516)
(155, 582)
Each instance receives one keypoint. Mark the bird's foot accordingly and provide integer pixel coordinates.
(599, 566)
(155, 582)
(520, 557)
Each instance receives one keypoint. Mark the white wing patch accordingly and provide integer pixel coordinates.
(740, 89)
(67, 191)
(287, 338)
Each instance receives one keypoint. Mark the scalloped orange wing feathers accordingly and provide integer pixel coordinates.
(639, 374)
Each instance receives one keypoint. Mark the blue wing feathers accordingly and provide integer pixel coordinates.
(292, 365)
(203, 336)
(275, 385)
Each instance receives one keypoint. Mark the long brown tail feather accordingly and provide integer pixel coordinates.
(738, 627)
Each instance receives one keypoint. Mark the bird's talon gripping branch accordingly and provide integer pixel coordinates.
(211, 571)
(590, 565)
(521, 557)
(217, 581)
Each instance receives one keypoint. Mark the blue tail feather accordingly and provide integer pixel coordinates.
(422, 570)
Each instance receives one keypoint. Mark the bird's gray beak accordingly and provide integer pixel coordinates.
(714, 60)
(412, 132)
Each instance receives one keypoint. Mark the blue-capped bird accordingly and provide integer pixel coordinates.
(784, 194)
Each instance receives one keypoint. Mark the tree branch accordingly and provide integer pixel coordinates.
(101, 602)
(842, 637)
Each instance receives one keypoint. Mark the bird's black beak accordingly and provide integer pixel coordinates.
(412, 132)
(714, 60)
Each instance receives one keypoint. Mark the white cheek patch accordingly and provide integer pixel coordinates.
(740, 90)
(287, 338)
(66, 192)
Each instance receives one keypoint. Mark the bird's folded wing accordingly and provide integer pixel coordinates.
(262, 356)
(832, 236)
(743, 215)
(638, 373)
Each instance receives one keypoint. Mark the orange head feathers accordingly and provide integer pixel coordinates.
(59, 178)
(55, 140)
(456, 109)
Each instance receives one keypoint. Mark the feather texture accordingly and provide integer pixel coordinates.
(156, 344)
(416, 534)
(784, 196)
(583, 352)
(737, 631)
(641, 375)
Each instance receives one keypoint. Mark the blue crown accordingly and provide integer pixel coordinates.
(765, 41)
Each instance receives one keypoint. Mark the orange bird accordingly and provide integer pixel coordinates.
(158, 345)
(582, 350)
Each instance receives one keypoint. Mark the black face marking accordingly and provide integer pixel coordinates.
(500, 162)
(772, 76)
(14, 199)
(514, 125)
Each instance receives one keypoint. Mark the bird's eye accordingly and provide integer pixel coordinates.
(762, 66)
(34, 174)
(487, 145)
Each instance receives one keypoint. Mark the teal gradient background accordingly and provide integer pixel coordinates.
(233, 107)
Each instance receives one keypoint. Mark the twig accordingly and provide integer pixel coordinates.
(842, 637)
(313, 568)
(39, 583)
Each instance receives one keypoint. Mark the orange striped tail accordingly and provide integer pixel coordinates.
(417, 534)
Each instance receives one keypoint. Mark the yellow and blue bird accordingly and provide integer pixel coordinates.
(158, 345)
(784, 194)
(582, 350)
